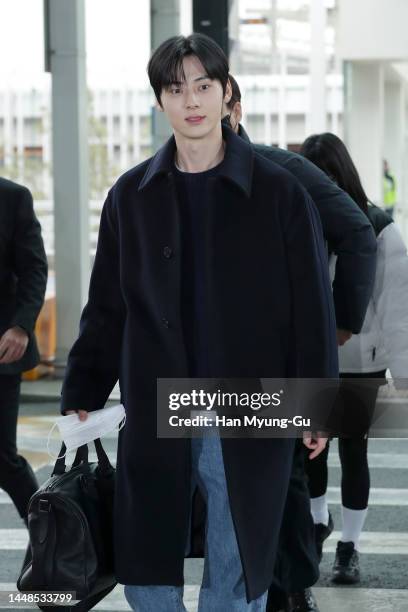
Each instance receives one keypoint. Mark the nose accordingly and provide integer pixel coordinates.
(192, 100)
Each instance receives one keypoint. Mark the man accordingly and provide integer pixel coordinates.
(350, 235)
(186, 283)
(23, 280)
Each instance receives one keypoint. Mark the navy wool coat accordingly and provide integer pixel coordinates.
(271, 315)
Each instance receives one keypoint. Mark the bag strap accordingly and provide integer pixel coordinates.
(84, 605)
(103, 459)
(82, 457)
(59, 467)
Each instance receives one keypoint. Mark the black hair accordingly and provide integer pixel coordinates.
(330, 154)
(236, 93)
(166, 64)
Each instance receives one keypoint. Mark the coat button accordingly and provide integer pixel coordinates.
(165, 322)
(167, 252)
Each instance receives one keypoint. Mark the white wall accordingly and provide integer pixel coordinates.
(372, 29)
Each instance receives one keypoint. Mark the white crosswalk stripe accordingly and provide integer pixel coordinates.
(329, 599)
(378, 496)
(394, 461)
(371, 542)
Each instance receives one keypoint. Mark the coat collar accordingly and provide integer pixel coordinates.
(237, 165)
(243, 134)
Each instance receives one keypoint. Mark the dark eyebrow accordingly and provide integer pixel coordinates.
(178, 83)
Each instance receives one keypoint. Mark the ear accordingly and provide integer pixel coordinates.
(238, 111)
(228, 92)
(158, 106)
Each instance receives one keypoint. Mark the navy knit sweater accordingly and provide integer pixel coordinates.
(192, 192)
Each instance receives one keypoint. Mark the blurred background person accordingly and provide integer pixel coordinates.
(382, 344)
(389, 190)
(23, 280)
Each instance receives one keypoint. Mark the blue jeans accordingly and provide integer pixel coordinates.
(223, 586)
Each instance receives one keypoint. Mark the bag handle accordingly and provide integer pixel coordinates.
(82, 457)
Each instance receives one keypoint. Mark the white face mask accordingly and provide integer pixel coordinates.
(75, 433)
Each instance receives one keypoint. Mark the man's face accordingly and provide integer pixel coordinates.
(194, 106)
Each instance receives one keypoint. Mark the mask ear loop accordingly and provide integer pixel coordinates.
(48, 444)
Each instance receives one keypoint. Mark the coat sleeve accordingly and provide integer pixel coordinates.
(93, 362)
(350, 235)
(314, 342)
(391, 299)
(29, 263)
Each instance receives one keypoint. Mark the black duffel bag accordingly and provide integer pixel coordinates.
(70, 524)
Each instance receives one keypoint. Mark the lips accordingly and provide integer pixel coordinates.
(195, 119)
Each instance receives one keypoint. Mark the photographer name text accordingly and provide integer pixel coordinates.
(201, 421)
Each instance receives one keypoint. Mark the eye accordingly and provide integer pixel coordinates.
(174, 89)
(205, 86)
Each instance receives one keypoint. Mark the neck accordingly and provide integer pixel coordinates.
(199, 155)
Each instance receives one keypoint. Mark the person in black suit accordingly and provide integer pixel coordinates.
(23, 280)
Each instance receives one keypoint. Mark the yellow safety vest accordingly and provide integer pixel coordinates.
(389, 191)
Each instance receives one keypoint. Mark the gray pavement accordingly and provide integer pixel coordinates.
(384, 556)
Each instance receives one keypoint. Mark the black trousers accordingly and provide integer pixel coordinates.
(355, 474)
(356, 408)
(16, 475)
(297, 564)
